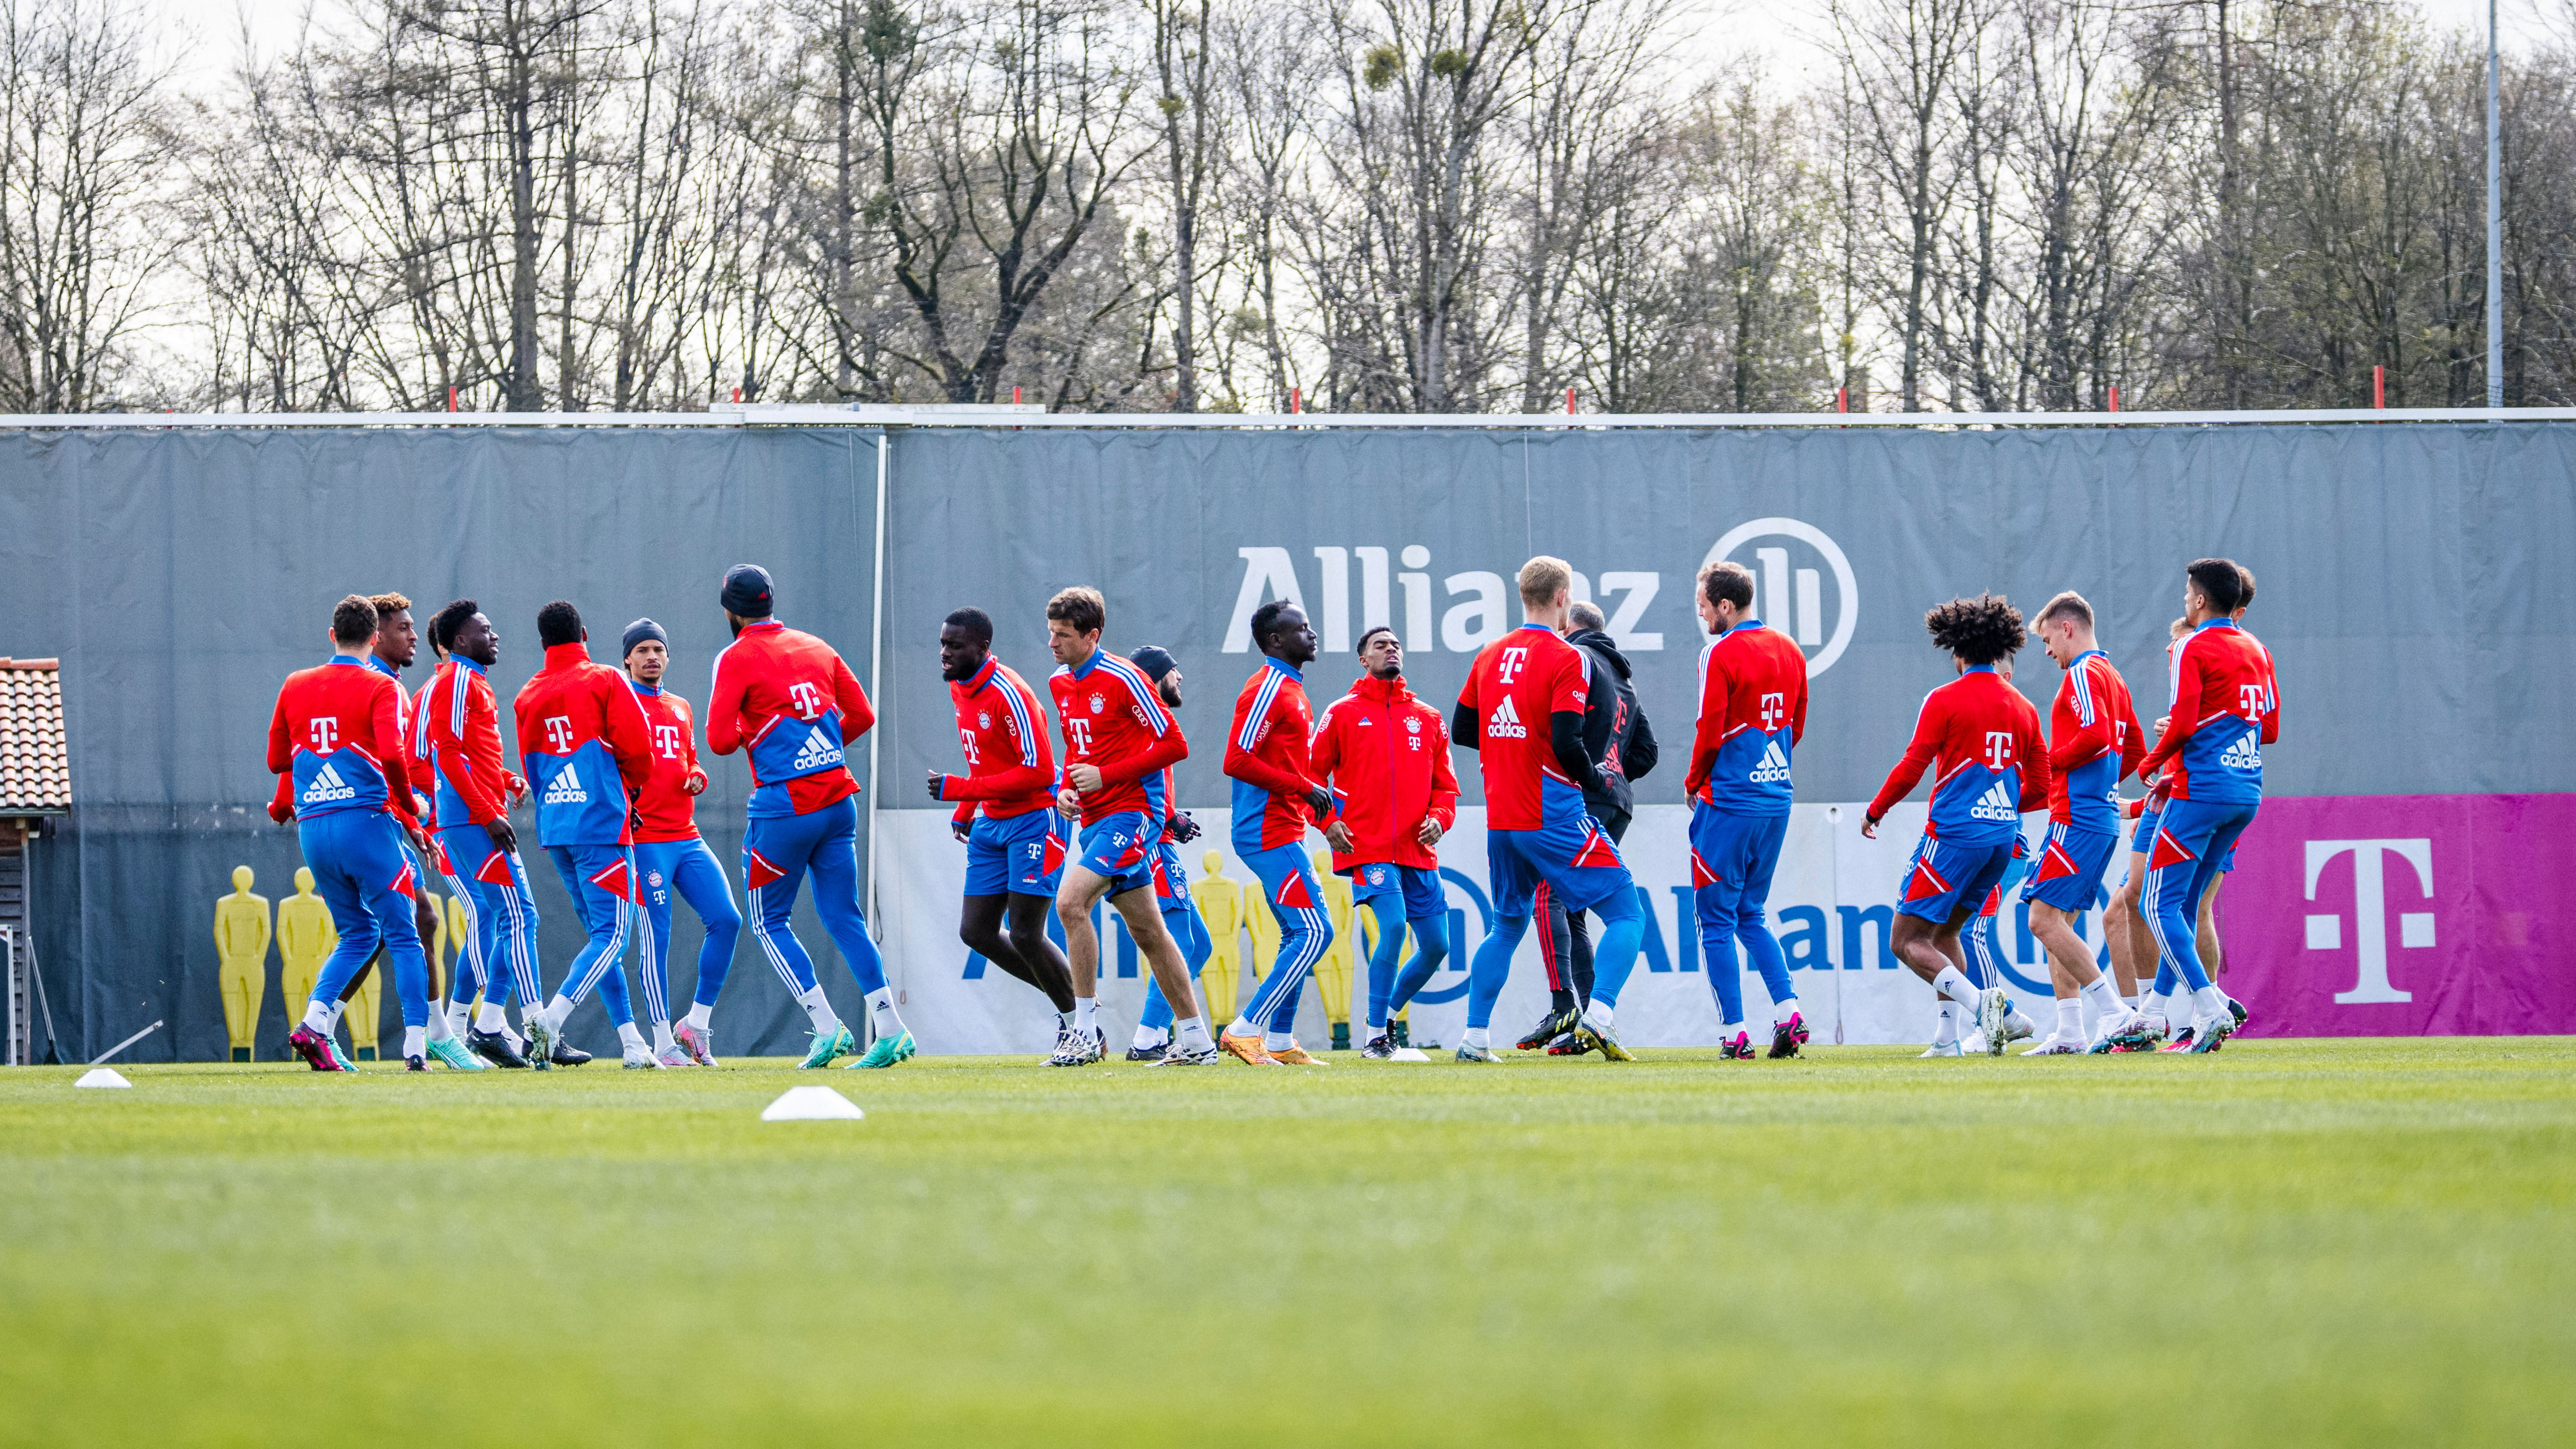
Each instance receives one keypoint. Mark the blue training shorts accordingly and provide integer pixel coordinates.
(1569, 850)
(1020, 856)
(1944, 872)
(1120, 848)
(1419, 885)
(2070, 867)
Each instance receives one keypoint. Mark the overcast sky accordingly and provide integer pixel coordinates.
(206, 42)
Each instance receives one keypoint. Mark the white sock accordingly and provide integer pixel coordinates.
(662, 1041)
(1954, 984)
(1781, 1011)
(629, 1036)
(2070, 1018)
(438, 1029)
(1474, 1036)
(460, 1016)
(2106, 1002)
(701, 1017)
(2156, 1005)
(1191, 1033)
(881, 1013)
(491, 1018)
(1278, 1041)
(2212, 1003)
(331, 1017)
(317, 1018)
(1948, 1029)
(2130, 1001)
(558, 1011)
(1598, 1013)
(1147, 1037)
(1086, 1016)
(818, 1011)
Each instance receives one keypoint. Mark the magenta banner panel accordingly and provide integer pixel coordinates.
(2405, 915)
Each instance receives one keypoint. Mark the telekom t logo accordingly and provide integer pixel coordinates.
(559, 732)
(1080, 729)
(1510, 667)
(809, 700)
(1998, 749)
(666, 739)
(326, 733)
(2249, 700)
(1775, 708)
(2370, 914)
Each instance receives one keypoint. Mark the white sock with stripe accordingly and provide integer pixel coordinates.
(818, 1011)
(881, 1012)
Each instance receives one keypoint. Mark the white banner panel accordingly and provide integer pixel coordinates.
(1831, 905)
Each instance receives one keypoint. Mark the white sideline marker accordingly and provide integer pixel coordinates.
(809, 1104)
(101, 1077)
(1407, 1054)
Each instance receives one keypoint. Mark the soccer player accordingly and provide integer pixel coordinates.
(587, 752)
(1171, 882)
(1119, 741)
(478, 849)
(672, 856)
(785, 698)
(1383, 751)
(397, 643)
(1990, 765)
(1522, 711)
(2224, 712)
(1275, 800)
(1622, 746)
(1752, 713)
(337, 732)
(2094, 741)
(1006, 813)
(2131, 939)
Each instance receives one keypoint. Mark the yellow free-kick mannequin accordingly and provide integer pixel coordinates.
(305, 939)
(241, 948)
(1220, 903)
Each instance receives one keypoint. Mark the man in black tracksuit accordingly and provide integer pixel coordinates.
(1617, 737)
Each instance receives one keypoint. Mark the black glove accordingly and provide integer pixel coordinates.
(1184, 829)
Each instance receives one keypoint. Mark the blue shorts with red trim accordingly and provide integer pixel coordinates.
(1943, 873)
(1569, 850)
(2070, 867)
(1120, 848)
(1418, 884)
(1020, 856)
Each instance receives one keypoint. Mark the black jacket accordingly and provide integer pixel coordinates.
(1615, 732)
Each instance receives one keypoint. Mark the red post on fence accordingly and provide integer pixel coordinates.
(1842, 399)
(2379, 386)
(1569, 402)
(451, 399)
(1296, 401)
(1015, 394)
(2115, 398)
(737, 394)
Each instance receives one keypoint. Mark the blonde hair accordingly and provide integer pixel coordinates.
(1542, 578)
(2071, 604)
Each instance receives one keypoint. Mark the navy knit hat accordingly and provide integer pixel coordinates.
(746, 591)
(641, 630)
(1155, 660)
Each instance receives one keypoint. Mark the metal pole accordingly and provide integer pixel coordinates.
(2495, 219)
(876, 685)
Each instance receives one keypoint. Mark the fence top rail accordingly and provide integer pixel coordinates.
(1010, 416)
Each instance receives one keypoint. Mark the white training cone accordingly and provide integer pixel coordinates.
(102, 1077)
(811, 1104)
(1407, 1054)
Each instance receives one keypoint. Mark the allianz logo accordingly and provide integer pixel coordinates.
(1481, 604)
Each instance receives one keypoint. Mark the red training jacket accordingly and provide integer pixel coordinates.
(1385, 751)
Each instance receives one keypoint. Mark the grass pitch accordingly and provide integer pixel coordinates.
(2288, 1242)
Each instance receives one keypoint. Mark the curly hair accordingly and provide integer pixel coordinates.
(450, 618)
(1981, 630)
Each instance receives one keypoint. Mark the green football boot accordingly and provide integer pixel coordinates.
(827, 1045)
(452, 1054)
(885, 1051)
